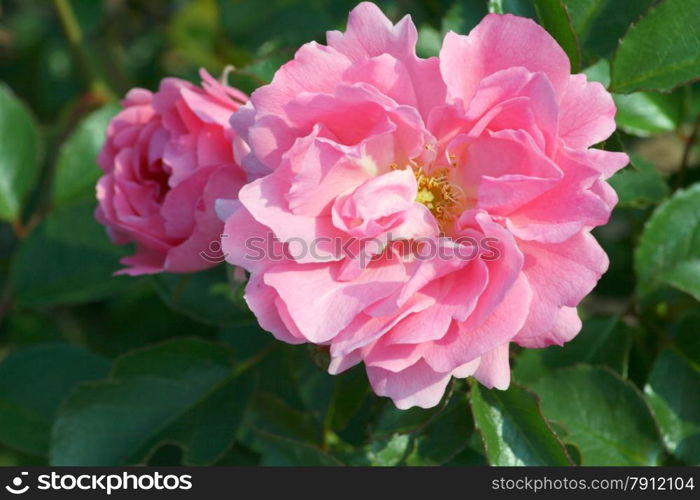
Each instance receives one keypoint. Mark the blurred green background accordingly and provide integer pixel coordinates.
(110, 370)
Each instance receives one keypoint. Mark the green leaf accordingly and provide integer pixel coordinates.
(641, 113)
(389, 451)
(394, 421)
(495, 6)
(514, 429)
(599, 72)
(523, 8)
(429, 41)
(661, 51)
(67, 259)
(332, 400)
(207, 296)
(76, 169)
(283, 435)
(278, 23)
(278, 365)
(417, 436)
(239, 455)
(446, 435)
(601, 23)
(19, 154)
(271, 415)
(282, 451)
(463, 15)
(604, 415)
(672, 392)
(644, 113)
(24, 328)
(350, 393)
(685, 335)
(471, 455)
(639, 184)
(184, 391)
(554, 17)
(316, 388)
(33, 382)
(602, 341)
(247, 339)
(131, 320)
(669, 248)
(685, 276)
(192, 33)
(264, 68)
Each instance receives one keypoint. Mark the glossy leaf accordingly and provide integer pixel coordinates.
(646, 113)
(639, 184)
(672, 392)
(282, 451)
(445, 435)
(513, 428)
(422, 437)
(686, 336)
(207, 296)
(661, 51)
(602, 341)
(184, 391)
(669, 248)
(67, 259)
(270, 415)
(554, 16)
(429, 42)
(604, 415)
(463, 15)
(19, 154)
(522, 8)
(641, 113)
(601, 23)
(76, 169)
(33, 382)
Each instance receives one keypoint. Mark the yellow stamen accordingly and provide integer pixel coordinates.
(435, 191)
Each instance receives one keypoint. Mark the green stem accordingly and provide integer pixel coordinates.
(69, 22)
(74, 35)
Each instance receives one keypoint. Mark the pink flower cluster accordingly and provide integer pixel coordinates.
(362, 140)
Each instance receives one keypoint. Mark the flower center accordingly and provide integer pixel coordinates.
(444, 199)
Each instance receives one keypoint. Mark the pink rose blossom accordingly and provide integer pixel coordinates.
(489, 142)
(166, 159)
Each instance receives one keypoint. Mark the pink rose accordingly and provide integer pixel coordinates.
(464, 183)
(168, 156)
